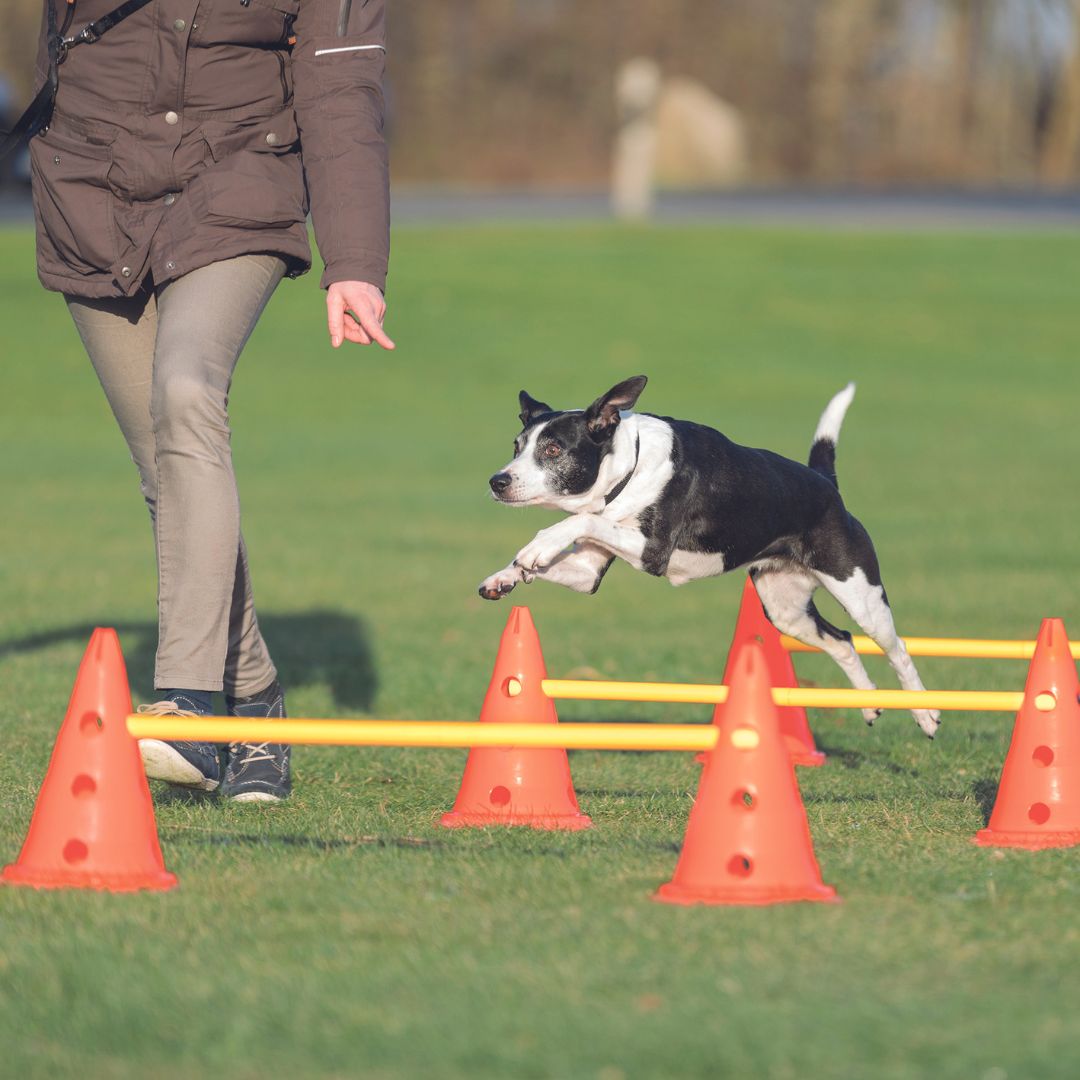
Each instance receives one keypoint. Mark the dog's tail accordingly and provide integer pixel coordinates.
(823, 451)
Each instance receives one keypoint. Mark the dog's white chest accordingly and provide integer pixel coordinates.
(684, 566)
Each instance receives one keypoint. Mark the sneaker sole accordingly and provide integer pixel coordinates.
(255, 796)
(162, 762)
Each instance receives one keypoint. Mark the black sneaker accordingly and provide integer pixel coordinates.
(184, 764)
(258, 772)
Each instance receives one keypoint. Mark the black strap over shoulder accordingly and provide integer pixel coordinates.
(39, 113)
(92, 31)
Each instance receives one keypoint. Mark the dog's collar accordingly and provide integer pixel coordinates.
(617, 490)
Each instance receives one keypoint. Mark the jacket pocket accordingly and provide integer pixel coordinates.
(259, 22)
(73, 201)
(247, 196)
(271, 135)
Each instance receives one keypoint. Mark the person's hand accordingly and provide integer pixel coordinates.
(354, 312)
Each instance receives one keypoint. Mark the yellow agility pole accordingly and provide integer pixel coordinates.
(436, 733)
(960, 648)
(807, 697)
(430, 733)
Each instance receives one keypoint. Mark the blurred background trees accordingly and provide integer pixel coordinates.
(520, 93)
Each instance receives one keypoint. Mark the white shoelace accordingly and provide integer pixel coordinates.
(255, 751)
(166, 708)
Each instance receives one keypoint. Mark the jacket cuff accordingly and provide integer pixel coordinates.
(360, 266)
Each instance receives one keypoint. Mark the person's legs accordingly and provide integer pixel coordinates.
(208, 633)
(121, 338)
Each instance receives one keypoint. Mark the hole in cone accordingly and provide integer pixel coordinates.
(75, 851)
(500, 796)
(744, 798)
(1039, 813)
(83, 786)
(91, 724)
(740, 866)
(745, 738)
(1045, 701)
(1042, 756)
(511, 687)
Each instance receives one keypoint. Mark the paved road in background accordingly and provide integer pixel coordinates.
(830, 209)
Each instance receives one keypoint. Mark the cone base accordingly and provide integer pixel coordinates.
(808, 758)
(157, 881)
(672, 893)
(457, 819)
(1032, 841)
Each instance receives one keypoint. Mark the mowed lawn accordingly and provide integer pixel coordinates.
(346, 933)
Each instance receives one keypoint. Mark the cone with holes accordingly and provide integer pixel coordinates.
(93, 825)
(509, 786)
(747, 840)
(1038, 798)
(753, 625)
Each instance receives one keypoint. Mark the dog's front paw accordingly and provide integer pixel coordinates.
(498, 585)
(543, 550)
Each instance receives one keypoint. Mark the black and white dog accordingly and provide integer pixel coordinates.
(681, 501)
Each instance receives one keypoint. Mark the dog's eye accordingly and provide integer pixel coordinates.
(552, 450)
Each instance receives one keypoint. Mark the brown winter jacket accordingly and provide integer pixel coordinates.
(176, 142)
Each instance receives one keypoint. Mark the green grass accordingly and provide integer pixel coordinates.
(346, 934)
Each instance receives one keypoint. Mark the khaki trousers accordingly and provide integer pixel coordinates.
(165, 360)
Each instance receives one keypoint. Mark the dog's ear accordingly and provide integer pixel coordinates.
(602, 416)
(530, 408)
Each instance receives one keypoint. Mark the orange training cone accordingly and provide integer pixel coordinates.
(1038, 799)
(753, 625)
(509, 786)
(93, 825)
(747, 840)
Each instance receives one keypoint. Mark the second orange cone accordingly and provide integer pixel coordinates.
(753, 625)
(747, 840)
(513, 786)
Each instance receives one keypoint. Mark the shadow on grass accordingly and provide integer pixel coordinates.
(315, 843)
(856, 759)
(985, 792)
(309, 648)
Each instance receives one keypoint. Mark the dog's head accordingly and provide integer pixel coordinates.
(558, 455)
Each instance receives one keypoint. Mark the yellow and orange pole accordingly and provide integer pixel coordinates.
(807, 697)
(960, 648)
(430, 733)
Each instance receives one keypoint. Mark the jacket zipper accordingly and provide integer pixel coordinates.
(343, 18)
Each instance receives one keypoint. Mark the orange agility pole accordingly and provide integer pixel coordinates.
(517, 783)
(93, 825)
(958, 648)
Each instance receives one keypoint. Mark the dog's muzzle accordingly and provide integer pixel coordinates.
(500, 482)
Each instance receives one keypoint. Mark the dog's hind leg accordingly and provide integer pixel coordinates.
(787, 597)
(868, 606)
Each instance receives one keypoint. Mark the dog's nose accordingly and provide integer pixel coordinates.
(500, 482)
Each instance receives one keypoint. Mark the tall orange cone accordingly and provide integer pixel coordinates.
(510, 786)
(1038, 799)
(93, 825)
(753, 625)
(747, 840)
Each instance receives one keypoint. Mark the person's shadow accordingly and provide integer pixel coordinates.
(309, 648)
